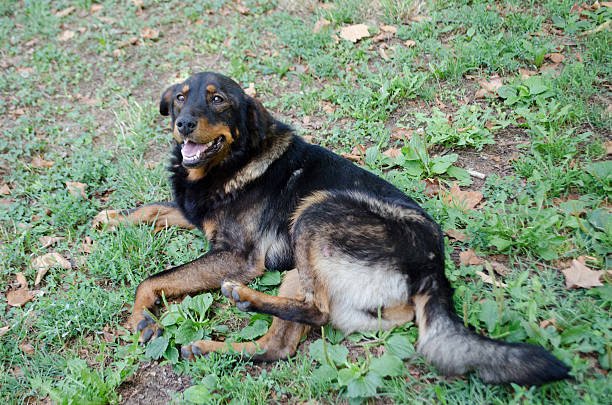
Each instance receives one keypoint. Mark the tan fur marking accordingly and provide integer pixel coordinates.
(209, 229)
(204, 132)
(196, 174)
(185, 89)
(419, 303)
(211, 88)
(258, 165)
(314, 198)
(400, 314)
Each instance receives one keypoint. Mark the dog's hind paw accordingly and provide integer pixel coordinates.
(148, 328)
(238, 293)
(108, 219)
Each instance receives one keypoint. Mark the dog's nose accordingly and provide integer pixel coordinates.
(185, 125)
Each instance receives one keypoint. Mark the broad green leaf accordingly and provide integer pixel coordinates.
(400, 346)
(156, 347)
(324, 374)
(188, 332)
(170, 318)
(211, 381)
(270, 278)
(536, 85)
(506, 92)
(333, 335)
(172, 354)
(460, 174)
(346, 375)
(337, 354)
(547, 253)
(365, 386)
(489, 314)
(413, 168)
(197, 394)
(201, 303)
(257, 329)
(500, 243)
(387, 365)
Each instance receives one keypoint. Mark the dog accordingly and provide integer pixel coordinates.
(362, 254)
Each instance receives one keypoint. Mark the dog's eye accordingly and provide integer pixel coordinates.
(180, 98)
(217, 99)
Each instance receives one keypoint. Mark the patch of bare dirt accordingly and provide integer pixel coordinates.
(152, 384)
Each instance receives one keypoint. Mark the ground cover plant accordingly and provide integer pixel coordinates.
(494, 115)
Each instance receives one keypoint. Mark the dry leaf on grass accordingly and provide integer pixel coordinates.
(499, 268)
(87, 245)
(489, 280)
(19, 297)
(76, 189)
(392, 152)
(580, 276)
(43, 263)
(608, 146)
(66, 35)
(49, 240)
(469, 258)
(5, 189)
(250, 91)
(65, 12)
(466, 200)
(555, 57)
(489, 87)
(4, 330)
(23, 282)
(319, 25)
(27, 348)
(351, 157)
(354, 32)
(149, 33)
(455, 234)
(95, 8)
(548, 322)
(432, 187)
(409, 43)
(39, 162)
(401, 134)
(129, 41)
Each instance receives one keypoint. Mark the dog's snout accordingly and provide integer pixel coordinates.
(185, 125)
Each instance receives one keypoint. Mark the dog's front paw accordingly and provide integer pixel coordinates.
(108, 219)
(238, 294)
(147, 326)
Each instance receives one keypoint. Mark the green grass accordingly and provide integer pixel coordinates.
(89, 105)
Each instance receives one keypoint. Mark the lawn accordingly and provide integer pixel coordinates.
(496, 116)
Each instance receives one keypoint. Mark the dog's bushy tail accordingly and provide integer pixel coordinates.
(454, 349)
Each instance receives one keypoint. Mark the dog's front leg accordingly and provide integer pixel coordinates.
(205, 273)
(162, 215)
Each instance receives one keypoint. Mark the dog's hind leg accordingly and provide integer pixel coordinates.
(279, 342)
(162, 215)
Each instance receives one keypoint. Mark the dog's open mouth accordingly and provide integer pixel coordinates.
(195, 154)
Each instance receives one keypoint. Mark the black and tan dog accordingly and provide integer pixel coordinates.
(366, 255)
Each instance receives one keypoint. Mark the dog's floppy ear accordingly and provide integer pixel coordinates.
(166, 100)
(258, 118)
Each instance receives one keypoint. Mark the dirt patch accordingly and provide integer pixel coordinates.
(152, 384)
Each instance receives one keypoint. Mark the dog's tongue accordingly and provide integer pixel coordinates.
(191, 148)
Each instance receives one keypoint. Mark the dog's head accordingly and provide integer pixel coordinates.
(213, 119)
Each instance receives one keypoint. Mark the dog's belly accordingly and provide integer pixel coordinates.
(357, 290)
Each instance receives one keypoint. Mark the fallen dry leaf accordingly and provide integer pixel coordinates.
(354, 32)
(548, 322)
(351, 157)
(5, 189)
(420, 18)
(602, 27)
(23, 282)
(49, 240)
(555, 57)
(43, 263)
(489, 87)
(608, 146)
(328, 107)
(489, 280)
(409, 43)
(455, 234)
(580, 276)
(319, 25)
(469, 258)
(149, 33)
(401, 134)
(138, 3)
(392, 152)
(250, 91)
(466, 200)
(76, 189)
(66, 35)
(26, 348)
(95, 8)
(526, 73)
(129, 41)
(388, 28)
(87, 245)
(19, 297)
(65, 12)
(432, 187)
(4, 330)
(498, 267)
(39, 162)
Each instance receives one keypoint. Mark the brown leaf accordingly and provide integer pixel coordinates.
(95, 8)
(432, 187)
(420, 18)
(26, 348)
(455, 234)
(149, 33)
(555, 57)
(4, 330)
(49, 240)
(466, 200)
(319, 25)
(6, 201)
(138, 3)
(18, 298)
(23, 282)
(5, 189)
(469, 258)
(392, 152)
(526, 73)
(409, 43)
(328, 107)
(351, 157)
(354, 32)
(87, 245)
(129, 41)
(43, 263)
(489, 280)
(250, 91)
(242, 9)
(491, 86)
(76, 189)
(548, 322)
(39, 162)
(580, 276)
(388, 28)
(66, 35)
(608, 146)
(499, 268)
(65, 12)
(401, 134)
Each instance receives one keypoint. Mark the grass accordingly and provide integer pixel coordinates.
(80, 87)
